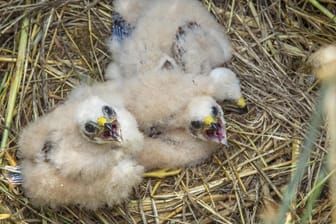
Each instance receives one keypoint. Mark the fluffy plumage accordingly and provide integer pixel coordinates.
(81, 154)
(130, 10)
(166, 115)
(157, 98)
(189, 140)
(170, 41)
(170, 35)
(178, 31)
(154, 98)
(175, 111)
(175, 149)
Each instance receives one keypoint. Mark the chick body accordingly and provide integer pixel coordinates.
(60, 167)
(171, 43)
(156, 97)
(179, 145)
(175, 148)
(164, 104)
(182, 31)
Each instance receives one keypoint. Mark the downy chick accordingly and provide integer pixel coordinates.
(181, 32)
(81, 153)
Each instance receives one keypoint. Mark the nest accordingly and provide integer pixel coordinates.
(239, 184)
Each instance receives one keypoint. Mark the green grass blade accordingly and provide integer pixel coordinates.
(15, 85)
(324, 10)
(310, 138)
(322, 178)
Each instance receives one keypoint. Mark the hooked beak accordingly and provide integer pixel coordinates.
(214, 130)
(110, 129)
(108, 126)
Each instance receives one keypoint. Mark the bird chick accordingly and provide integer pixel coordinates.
(154, 106)
(123, 24)
(81, 154)
(183, 117)
(205, 120)
(178, 31)
(197, 133)
(228, 87)
(191, 40)
(182, 125)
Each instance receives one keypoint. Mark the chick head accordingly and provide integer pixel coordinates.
(228, 87)
(98, 122)
(206, 120)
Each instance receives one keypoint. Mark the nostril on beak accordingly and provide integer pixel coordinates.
(108, 126)
(214, 126)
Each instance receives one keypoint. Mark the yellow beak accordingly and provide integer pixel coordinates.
(101, 121)
(106, 124)
(208, 120)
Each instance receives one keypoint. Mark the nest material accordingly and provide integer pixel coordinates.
(272, 40)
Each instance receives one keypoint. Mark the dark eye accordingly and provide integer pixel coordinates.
(108, 110)
(214, 111)
(196, 124)
(90, 128)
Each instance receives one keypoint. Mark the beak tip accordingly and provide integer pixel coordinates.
(225, 143)
(108, 126)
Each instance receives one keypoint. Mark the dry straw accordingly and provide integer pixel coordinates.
(48, 47)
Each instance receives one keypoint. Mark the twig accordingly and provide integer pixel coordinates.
(3, 82)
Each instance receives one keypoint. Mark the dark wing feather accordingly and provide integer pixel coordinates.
(178, 48)
(121, 29)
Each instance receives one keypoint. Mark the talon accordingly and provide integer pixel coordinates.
(162, 173)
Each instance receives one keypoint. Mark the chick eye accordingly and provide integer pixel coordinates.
(90, 128)
(196, 124)
(108, 110)
(214, 111)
